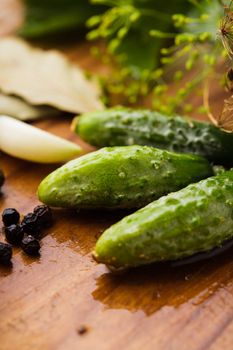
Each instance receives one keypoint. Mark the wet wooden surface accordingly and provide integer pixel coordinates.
(44, 302)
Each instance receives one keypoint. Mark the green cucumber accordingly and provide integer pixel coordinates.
(122, 127)
(194, 219)
(121, 177)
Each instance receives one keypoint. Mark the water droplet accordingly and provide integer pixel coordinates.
(130, 141)
(122, 175)
(229, 202)
(155, 164)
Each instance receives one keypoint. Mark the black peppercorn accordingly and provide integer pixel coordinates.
(5, 253)
(44, 216)
(2, 178)
(14, 234)
(10, 216)
(30, 224)
(82, 329)
(30, 245)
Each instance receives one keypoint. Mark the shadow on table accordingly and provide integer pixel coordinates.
(150, 288)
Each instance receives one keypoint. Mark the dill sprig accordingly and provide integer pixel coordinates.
(126, 26)
(225, 119)
(195, 52)
(189, 54)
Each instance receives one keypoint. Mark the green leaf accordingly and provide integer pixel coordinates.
(53, 17)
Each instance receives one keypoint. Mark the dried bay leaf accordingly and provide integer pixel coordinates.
(225, 120)
(45, 78)
(18, 108)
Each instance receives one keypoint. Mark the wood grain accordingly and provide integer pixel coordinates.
(45, 301)
(11, 16)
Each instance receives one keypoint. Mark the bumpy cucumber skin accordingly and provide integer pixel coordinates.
(121, 177)
(194, 219)
(122, 127)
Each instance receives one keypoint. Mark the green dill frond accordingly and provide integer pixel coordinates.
(196, 50)
(152, 47)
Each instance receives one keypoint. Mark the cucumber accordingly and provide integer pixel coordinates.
(121, 177)
(194, 219)
(122, 127)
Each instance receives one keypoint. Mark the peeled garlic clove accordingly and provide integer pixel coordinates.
(27, 142)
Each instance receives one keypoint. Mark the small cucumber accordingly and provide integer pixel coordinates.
(194, 219)
(122, 127)
(121, 177)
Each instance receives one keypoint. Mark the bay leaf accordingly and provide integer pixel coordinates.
(225, 119)
(45, 78)
(18, 108)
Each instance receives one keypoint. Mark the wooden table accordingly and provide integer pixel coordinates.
(47, 302)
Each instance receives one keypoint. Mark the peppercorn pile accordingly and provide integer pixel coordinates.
(26, 234)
